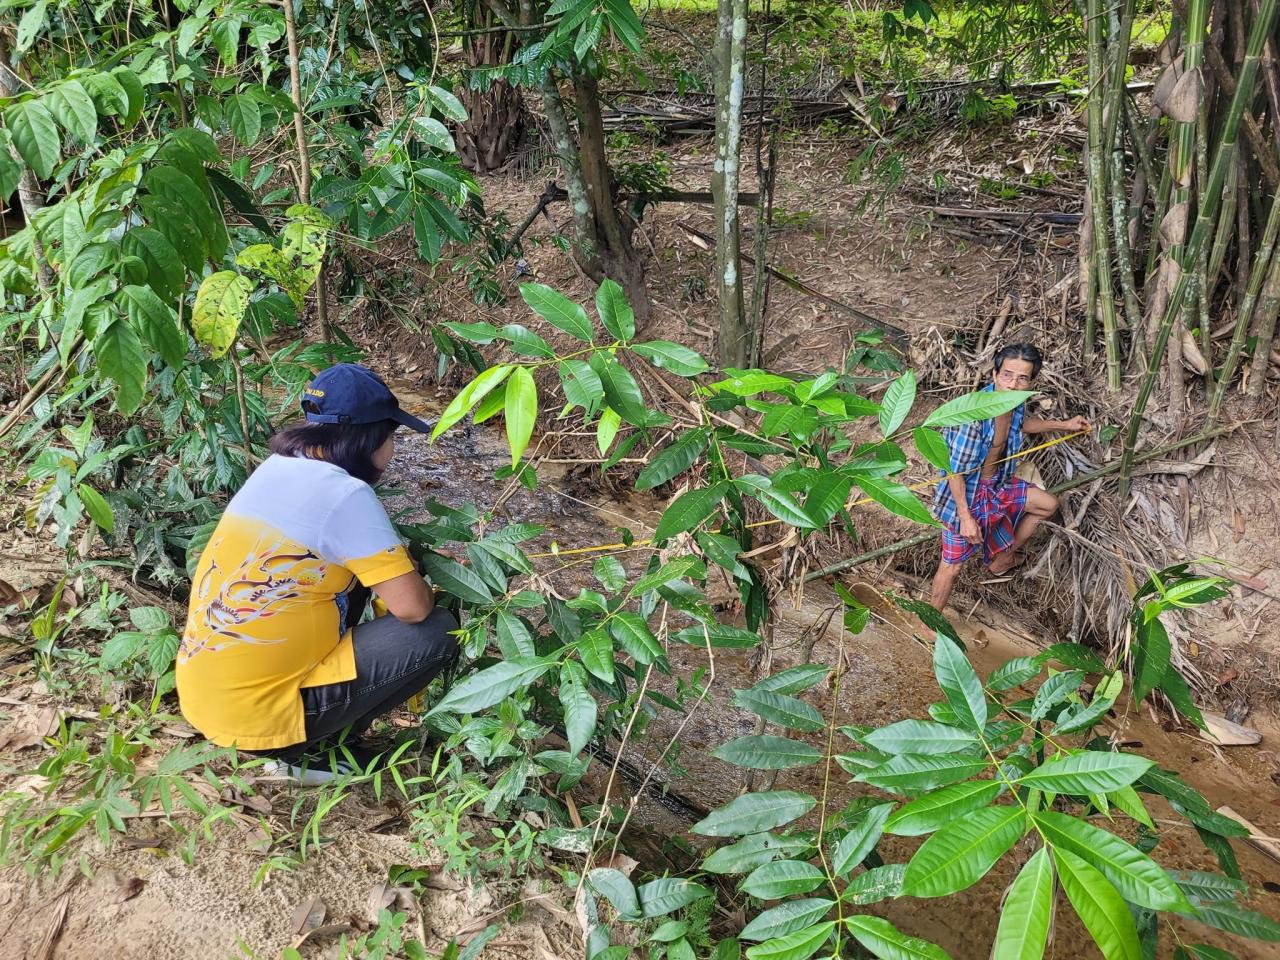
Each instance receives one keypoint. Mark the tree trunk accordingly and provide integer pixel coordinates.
(495, 116)
(735, 344)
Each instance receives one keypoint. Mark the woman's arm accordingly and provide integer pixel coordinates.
(1074, 425)
(408, 597)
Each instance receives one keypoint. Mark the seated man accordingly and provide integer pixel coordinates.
(981, 503)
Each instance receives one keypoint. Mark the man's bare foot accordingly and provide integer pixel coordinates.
(1006, 561)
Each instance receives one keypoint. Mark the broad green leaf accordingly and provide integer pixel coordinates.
(860, 840)
(1175, 688)
(514, 638)
(675, 569)
(581, 385)
(786, 918)
(1233, 918)
(635, 637)
(157, 323)
(607, 429)
(827, 497)
(621, 391)
(960, 854)
(1190, 803)
(754, 813)
(781, 878)
(615, 312)
(463, 582)
(596, 650)
(99, 510)
(897, 403)
(73, 108)
(481, 333)
(1028, 912)
(932, 447)
(1013, 673)
(767, 752)
(674, 459)
(1099, 907)
(226, 38)
(1151, 658)
(959, 683)
(690, 509)
(470, 395)
(778, 708)
(1126, 799)
(1055, 690)
(887, 942)
(874, 885)
(747, 383)
(920, 736)
(799, 945)
(895, 498)
(937, 809)
(35, 135)
(674, 357)
(752, 851)
(557, 309)
(662, 896)
(1139, 879)
(165, 272)
(29, 27)
(120, 356)
(449, 105)
(526, 343)
(1086, 772)
(486, 687)
(434, 134)
(521, 412)
(779, 503)
(982, 405)
(219, 308)
(1075, 655)
(579, 711)
(910, 773)
(10, 168)
(244, 118)
(617, 888)
(1212, 887)
(132, 86)
(793, 679)
(724, 635)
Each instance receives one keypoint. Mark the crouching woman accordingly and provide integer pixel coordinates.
(274, 659)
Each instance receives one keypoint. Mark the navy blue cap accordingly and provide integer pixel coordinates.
(352, 393)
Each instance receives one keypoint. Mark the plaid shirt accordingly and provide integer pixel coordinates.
(969, 444)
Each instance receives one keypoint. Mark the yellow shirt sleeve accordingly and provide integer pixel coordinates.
(381, 566)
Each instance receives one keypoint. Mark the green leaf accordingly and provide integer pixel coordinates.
(1099, 907)
(754, 813)
(723, 635)
(470, 395)
(896, 498)
(674, 569)
(747, 383)
(1013, 673)
(874, 885)
(1139, 879)
(937, 809)
(773, 881)
(521, 412)
(690, 509)
(463, 582)
(73, 108)
(449, 105)
(1086, 772)
(121, 648)
(596, 650)
(514, 638)
(959, 683)
(10, 168)
(621, 391)
(607, 429)
(767, 752)
(137, 97)
(157, 323)
(1151, 658)
(527, 343)
(860, 840)
(29, 27)
(219, 308)
(786, 918)
(897, 403)
(98, 509)
(674, 357)
(1212, 887)
(121, 357)
(932, 447)
(793, 679)
(226, 38)
(615, 312)
(165, 272)
(782, 505)
(1233, 918)
(483, 689)
(662, 896)
(960, 854)
(674, 459)
(244, 118)
(434, 134)
(780, 709)
(615, 886)
(1190, 803)
(634, 636)
(579, 710)
(794, 946)
(1028, 912)
(911, 773)
(558, 310)
(1175, 688)
(35, 135)
(885, 941)
(581, 385)
(751, 851)
(920, 736)
(983, 405)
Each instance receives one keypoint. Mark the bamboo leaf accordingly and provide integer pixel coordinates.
(1099, 907)
(959, 855)
(767, 752)
(1028, 912)
(754, 813)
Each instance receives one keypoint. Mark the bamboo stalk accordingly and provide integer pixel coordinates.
(1265, 330)
(1247, 304)
(1205, 222)
(1098, 194)
(1122, 32)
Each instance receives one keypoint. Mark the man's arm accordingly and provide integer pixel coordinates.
(1074, 425)
(408, 597)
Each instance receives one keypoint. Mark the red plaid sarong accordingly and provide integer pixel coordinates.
(997, 513)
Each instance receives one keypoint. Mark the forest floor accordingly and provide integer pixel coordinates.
(953, 284)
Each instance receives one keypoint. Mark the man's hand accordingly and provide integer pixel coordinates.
(969, 529)
(1076, 425)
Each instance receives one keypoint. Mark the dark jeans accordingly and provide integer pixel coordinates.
(394, 660)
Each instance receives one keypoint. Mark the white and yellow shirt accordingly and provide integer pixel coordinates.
(269, 597)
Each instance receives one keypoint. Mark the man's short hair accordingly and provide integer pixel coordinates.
(1018, 351)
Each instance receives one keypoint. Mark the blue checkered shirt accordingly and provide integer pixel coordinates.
(969, 444)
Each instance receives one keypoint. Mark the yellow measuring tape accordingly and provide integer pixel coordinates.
(603, 547)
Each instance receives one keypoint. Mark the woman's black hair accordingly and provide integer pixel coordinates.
(1019, 351)
(346, 445)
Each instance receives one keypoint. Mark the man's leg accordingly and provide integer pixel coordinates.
(1041, 505)
(955, 551)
